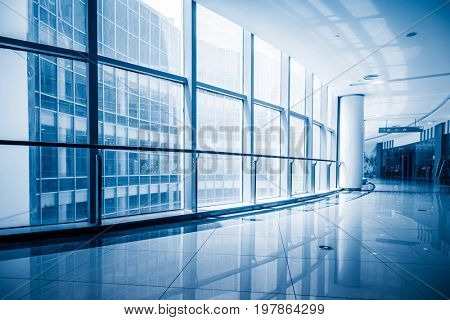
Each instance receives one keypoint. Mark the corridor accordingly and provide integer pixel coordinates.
(392, 243)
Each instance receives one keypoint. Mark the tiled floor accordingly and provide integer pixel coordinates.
(389, 244)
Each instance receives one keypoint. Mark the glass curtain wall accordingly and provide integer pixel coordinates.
(219, 116)
(139, 63)
(298, 125)
(267, 121)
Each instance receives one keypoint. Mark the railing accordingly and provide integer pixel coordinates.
(299, 167)
(148, 149)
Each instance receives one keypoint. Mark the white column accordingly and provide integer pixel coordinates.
(351, 141)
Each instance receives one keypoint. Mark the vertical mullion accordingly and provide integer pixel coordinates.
(194, 182)
(289, 164)
(246, 119)
(309, 129)
(284, 126)
(252, 119)
(338, 125)
(93, 112)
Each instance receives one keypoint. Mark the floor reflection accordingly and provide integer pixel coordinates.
(389, 244)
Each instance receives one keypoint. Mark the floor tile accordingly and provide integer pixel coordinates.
(236, 273)
(349, 279)
(63, 290)
(13, 289)
(393, 243)
(207, 294)
(432, 280)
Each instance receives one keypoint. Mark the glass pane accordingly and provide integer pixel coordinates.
(219, 50)
(317, 155)
(46, 97)
(330, 121)
(60, 23)
(267, 130)
(330, 142)
(316, 142)
(297, 137)
(298, 176)
(297, 87)
(268, 178)
(331, 155)
(298, 149)
(220, 129)
(144, 32)
(43, 185)
(141, 182)
(219, 124)
(267, 72)
(317, 99)
(267, 141)
(139, 110)
(219, 180)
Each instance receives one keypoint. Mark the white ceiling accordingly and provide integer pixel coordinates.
(343, 40)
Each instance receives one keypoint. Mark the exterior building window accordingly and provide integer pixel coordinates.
(148, 33)
(60, 23)
(140, 110)
(46, 97)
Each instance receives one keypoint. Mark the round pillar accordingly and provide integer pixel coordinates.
(351, 141)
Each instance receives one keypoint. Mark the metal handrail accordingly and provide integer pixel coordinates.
(148, 149)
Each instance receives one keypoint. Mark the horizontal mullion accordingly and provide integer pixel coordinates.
(140, 69)
(38, 48)
(208, 87)
(268, 105)
(298, 115)
(317, 123)
(145, 149)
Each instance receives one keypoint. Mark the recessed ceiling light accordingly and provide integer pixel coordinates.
(371, 76)
(411, 34)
